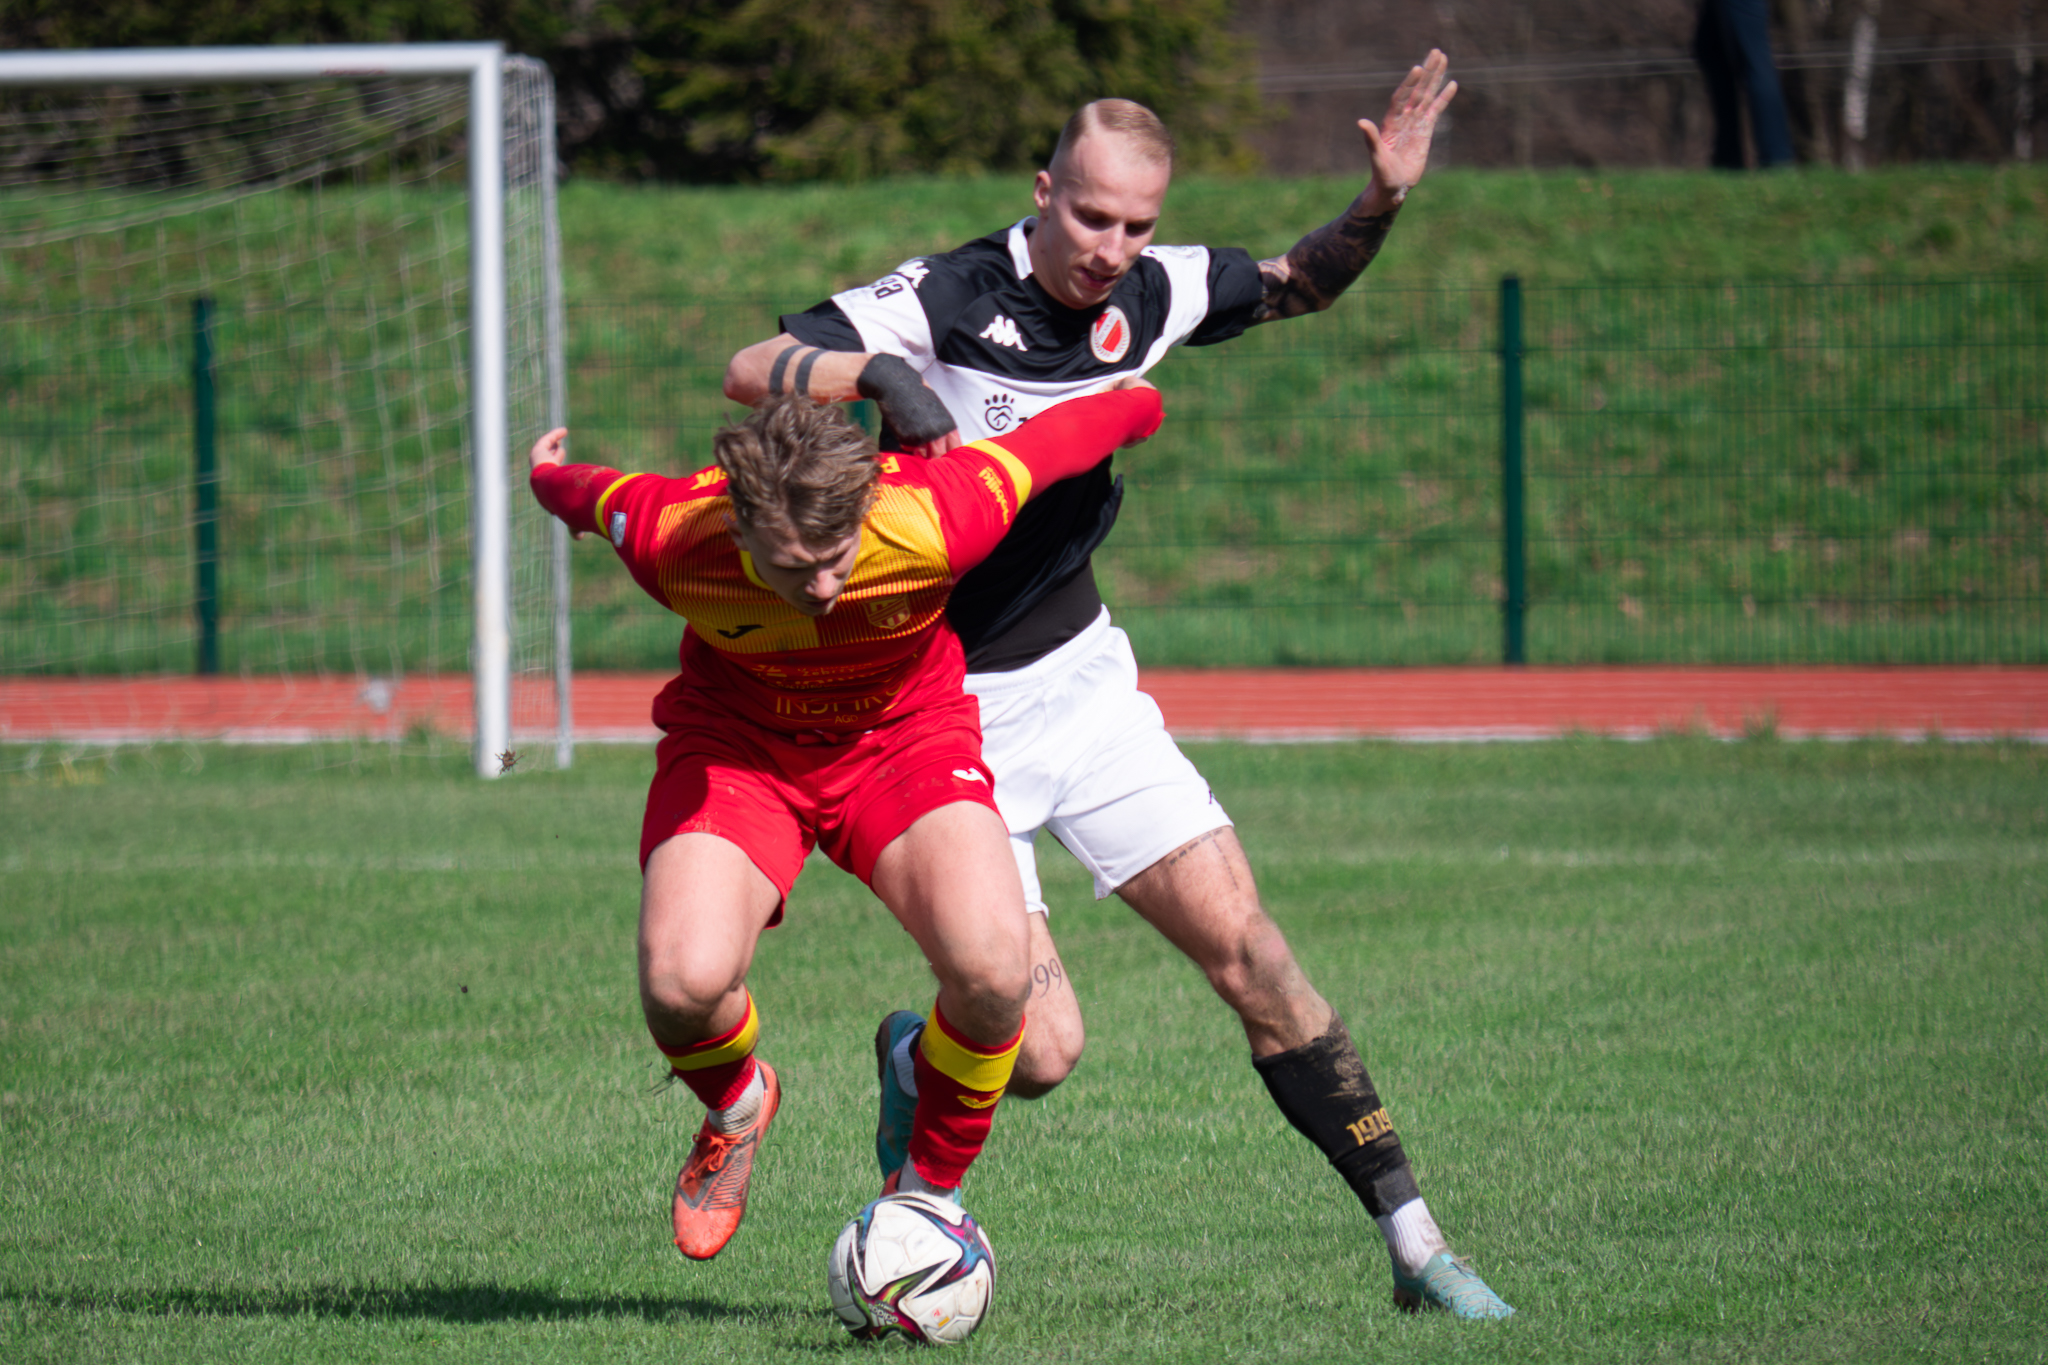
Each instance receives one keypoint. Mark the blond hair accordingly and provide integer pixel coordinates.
(795, 465)
(1126, 118)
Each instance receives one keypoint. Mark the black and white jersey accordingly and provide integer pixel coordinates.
(998, 349)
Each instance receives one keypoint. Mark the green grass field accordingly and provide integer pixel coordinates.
(1703, 1052)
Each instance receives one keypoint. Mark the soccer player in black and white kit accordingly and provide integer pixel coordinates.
(967, 344)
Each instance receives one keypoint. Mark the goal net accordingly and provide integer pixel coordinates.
(278, 327)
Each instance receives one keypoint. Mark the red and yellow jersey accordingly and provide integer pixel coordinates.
(884, 647)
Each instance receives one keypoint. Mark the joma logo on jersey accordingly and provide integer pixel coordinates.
(1003, 332)
(1110, 336)
(618, 529)
(887, 613)
(1372, 1126)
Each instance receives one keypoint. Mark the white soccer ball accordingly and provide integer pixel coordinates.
(910, 1265)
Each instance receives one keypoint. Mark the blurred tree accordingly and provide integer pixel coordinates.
(726, 90)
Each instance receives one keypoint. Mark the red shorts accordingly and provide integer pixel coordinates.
(777, 796)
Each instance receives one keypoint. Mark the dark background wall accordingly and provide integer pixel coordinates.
(1587, 83)
(739, 90)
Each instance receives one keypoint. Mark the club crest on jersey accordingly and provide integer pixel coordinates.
(999, 413)
(617, 531)
(1110, 336)
(888, 613)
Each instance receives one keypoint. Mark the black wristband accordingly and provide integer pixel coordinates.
(912, 409)
(781, 364)
(802, 385)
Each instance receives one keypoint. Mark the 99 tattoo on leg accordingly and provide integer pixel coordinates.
(1047, 977)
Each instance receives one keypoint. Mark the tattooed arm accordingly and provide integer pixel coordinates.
(1323, 264)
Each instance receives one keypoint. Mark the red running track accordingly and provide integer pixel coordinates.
(1255, 704)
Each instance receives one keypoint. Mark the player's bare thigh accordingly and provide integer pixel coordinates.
(1203, 899)
(950, 879)
(703, 905)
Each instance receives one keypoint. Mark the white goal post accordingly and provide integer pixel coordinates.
(533, 316)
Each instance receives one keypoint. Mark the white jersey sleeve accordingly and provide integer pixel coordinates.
(889, 317)
(1187, 269)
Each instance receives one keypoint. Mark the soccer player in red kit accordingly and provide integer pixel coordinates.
(820, 704)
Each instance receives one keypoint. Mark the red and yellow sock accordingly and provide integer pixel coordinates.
(718, 1069)
(959, 1082)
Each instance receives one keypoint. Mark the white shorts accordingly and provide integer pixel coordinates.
(1077, 749)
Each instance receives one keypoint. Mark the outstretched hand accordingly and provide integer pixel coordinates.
(549, 449)
(1134, 381)
(1399, 145)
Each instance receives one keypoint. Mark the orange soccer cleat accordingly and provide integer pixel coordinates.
(711, 1189)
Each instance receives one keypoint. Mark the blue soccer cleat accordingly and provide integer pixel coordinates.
(1450, 1284)
(892, 1128)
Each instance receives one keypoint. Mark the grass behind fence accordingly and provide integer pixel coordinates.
(1848, 469)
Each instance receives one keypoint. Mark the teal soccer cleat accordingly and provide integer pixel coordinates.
(1450, 1284)
(892, 1129)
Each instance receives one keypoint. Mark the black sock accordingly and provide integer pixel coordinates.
(1323, 1090)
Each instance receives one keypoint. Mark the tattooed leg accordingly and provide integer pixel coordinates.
(1053, 1031)
(1202, 898)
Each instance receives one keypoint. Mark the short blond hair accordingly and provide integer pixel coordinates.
(1126, 118)
(795, 465)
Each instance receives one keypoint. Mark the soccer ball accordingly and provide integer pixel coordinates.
(912, 1266)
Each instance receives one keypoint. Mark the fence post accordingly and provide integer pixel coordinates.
(206, 489)
(1514, 557)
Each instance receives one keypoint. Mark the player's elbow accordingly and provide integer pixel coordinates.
(746, 374)
(742, 383)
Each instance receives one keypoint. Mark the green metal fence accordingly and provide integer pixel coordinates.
(1788, 473)
(1753, 473)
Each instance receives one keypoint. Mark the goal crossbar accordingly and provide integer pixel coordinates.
(482, 65)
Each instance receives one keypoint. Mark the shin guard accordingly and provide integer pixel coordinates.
(1325, 1093)
(959, 1082)
(718, 1069)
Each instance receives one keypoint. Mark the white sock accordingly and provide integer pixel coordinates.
(1413, 1237)
(738, 1116)
(904, 1057)
(910, 1182)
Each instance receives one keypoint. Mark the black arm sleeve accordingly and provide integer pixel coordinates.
(825, 326)
(1235, 288)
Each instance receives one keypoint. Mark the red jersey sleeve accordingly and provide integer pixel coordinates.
(979, 487)
(573, 492)
(627, 510)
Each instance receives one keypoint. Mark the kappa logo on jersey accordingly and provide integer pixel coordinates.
(1003, 332)
(914, 271)
(1110, 336)
(887, 613)
(999, 413)
(968, 775)
(618, 530)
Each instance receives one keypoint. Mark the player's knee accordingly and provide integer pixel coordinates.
(685, 993)
(1047, 1057)
(991, 994)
